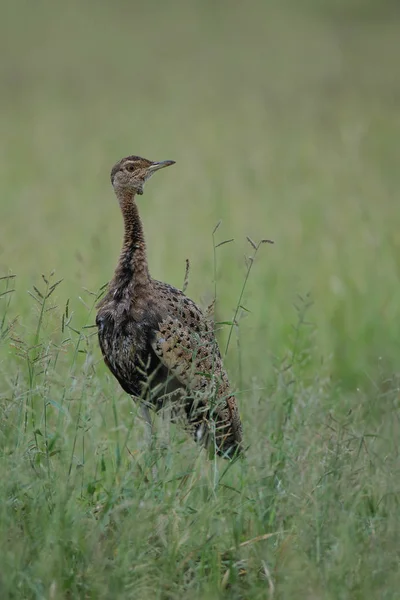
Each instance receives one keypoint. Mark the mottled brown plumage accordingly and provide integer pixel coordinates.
(155, 340)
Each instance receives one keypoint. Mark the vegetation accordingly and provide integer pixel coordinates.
(283, 118)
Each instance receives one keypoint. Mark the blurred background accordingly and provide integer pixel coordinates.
(284, 121)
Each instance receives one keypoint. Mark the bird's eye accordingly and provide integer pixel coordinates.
(130, 167)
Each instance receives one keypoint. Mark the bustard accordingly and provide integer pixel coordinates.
(157, 342)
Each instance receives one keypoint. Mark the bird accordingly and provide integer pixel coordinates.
(157, 342)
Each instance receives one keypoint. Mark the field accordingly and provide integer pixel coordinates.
(284, 121)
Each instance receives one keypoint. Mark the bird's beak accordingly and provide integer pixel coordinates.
(160, 165)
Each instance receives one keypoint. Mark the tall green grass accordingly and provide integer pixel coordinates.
(284, 122)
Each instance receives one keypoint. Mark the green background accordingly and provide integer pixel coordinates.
(284, 121)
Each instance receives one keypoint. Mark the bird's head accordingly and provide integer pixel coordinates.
(131, 173)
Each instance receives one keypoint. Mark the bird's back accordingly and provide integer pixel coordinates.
(186, 345)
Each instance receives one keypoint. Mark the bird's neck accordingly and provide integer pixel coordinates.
(132, 265)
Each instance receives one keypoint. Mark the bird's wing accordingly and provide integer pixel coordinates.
(193, 358)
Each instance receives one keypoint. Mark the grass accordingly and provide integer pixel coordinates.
(284, 120)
